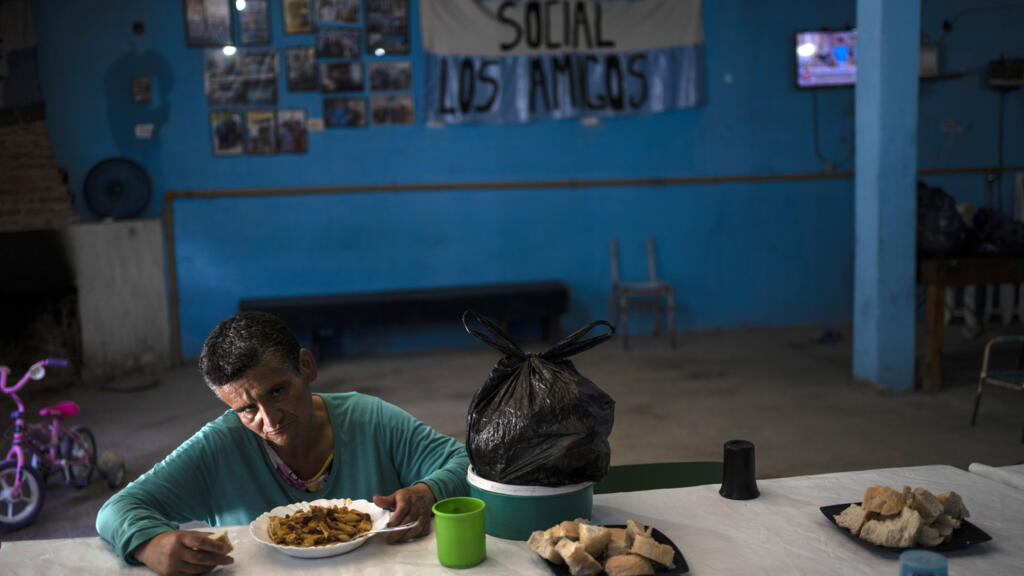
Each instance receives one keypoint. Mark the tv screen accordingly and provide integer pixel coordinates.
(826, 58)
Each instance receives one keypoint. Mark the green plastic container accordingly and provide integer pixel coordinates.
(514, 512)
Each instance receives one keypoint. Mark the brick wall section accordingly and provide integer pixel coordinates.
(33, 195)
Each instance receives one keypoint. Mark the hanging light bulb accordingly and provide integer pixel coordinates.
(229, 50)
(239, 5)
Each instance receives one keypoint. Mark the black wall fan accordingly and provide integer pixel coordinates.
(117, 187)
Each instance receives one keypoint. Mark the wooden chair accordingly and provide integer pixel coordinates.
(630, 297)
(636, 477)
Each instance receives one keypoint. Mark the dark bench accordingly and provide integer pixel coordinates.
(520, 302)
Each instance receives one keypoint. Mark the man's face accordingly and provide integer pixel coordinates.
(273, 400)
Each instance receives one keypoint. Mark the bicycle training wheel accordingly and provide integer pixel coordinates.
(16, 512)
(83, 457)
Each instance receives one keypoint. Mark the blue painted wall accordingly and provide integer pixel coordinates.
(739, 254)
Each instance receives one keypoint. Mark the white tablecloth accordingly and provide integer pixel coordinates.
(1009, 475)
(781, 532)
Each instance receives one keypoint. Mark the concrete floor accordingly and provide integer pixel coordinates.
(792, 397)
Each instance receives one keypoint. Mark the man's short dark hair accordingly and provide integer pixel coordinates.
(241, 342)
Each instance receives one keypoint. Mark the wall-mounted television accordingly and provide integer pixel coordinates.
(826, 58)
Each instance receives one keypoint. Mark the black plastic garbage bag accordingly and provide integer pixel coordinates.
(941, 230)
(998, 233)
(536, 420)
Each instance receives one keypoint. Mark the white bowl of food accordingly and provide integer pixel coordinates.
(319, 528)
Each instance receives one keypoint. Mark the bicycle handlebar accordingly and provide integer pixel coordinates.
(5, 371)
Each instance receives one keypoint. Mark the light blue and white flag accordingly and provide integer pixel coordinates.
(526, 60)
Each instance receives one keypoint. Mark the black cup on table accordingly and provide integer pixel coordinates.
(738, 474)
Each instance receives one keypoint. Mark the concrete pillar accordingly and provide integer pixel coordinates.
(888, 46)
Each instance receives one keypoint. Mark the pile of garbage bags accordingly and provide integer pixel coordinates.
(943, 231)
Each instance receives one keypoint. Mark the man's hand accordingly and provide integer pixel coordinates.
(182, 552)
(412, 503)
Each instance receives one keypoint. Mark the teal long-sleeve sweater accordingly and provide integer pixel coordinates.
(223, 476)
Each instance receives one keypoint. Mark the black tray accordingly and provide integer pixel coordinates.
(678, 560)
(965, 536)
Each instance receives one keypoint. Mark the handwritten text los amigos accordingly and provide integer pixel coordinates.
(531, 27)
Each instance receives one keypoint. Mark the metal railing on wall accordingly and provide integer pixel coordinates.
(171, 195)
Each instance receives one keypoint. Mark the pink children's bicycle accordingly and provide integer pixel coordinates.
(39, 449)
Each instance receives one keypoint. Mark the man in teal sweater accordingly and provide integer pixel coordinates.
(278, 443)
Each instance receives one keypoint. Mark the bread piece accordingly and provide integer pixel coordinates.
(894, 532)
(908, 496)
(594, 539)
(620, 542)
(953, 505)
(580, 563)
(945, 525)
(543, 544)
(929, 536)
(661, 553)
(853, 518)
(572, 530)
(637, 529)
(883, 500)
(222, 536)
(927, 505)
(628, 565)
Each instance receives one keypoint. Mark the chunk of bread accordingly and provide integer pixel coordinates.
(953, 505)
(594, 539)
(566, 529)
(628, 565)
(637, 529)
(927, 505)
(929, 536)
(945, 525)
(853, 518)
(661, 553)
(222, 536)
(895, 532)
(580, 563)
(620, 542)
(883, 500)
(544, 544)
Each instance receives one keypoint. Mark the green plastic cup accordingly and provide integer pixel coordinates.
(459, 529)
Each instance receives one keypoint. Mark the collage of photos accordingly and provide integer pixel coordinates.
(347, 38)
(258, 132)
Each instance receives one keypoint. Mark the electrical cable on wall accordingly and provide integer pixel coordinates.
(828, 164)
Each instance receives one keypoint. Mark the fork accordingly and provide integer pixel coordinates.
(405, 526)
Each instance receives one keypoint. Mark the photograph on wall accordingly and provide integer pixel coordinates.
(338, 43)
(208, 23)
(334, 11)
(254, 22)
(222, 81)
(226, 132)
(390, 76)
(387, 27)
(291, 131)
(300, 64)
(259, 131)
(258, 72)
(298, 16)
(345, 112)
(341, 77)
(392, 109)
